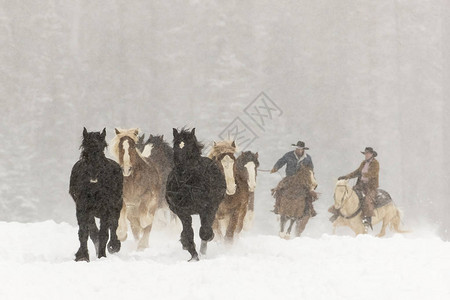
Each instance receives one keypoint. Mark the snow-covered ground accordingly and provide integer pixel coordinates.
(36, 262)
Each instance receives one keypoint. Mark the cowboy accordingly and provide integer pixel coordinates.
(367, 183)
(294, 160)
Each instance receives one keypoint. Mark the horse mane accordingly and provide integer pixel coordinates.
(120, 133)
(300, 179)
(221, 148)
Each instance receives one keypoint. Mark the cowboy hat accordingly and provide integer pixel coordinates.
(300, 145)
(370, 150)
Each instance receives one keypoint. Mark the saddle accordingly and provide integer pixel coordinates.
(383, 198)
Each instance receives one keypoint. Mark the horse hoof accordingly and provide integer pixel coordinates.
(194, 258)
(287, 237)
(114, 246)
(282, 235)
(82, 257)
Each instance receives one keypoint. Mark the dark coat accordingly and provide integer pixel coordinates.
(292, 164)
(372, 174)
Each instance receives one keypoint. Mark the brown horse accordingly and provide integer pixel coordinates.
(141, 187)
(232, 210)
(292, 194)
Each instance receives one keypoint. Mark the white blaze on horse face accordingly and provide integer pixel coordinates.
(126, 160)
(228, 164)
(250, 166)
(147, 150)
(181, 145)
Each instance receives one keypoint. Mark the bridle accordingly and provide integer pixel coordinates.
(342, 200)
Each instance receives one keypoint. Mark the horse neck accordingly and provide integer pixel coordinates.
(351, 202)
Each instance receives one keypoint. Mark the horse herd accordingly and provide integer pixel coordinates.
(151, 175)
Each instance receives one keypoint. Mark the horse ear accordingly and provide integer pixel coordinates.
(175, 132)
(103, 134)
(117, 130)
(85, 132)
(162, 137)
(215, 144)
(151, 136)
(233, 144)
(136, 132)
(256, 154)
(193, 131)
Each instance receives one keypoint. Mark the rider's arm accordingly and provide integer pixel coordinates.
(280, 163)
(355, 173)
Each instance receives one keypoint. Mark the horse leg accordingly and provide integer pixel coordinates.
(383, 228)
(122, 229)
(217, 229)
(231, 228)
(301, 224)
(114, 242)
(288, 231)
(135, 227)
(83, 234)
(103, 236)
(206, 233)
(283, 220)
(93, 233)
(187, 236)
(148, 208)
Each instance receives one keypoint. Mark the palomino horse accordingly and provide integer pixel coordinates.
(196, 185)
(96, 187)
(158, 152)
(292, 194)
(141, 187)
(347, 204)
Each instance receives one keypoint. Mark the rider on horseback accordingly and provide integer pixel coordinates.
(367, 183)
(294, 161)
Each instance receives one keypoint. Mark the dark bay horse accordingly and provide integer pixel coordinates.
(141, 187)
(292, 194)
(96, 187)
(196, 185)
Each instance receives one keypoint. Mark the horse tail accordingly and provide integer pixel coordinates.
(396, 220)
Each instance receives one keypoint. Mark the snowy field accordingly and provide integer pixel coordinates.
(36, 262)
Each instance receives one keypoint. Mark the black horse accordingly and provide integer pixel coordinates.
(96, 184)
(196, 185)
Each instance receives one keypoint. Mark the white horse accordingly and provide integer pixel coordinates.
(346, 202)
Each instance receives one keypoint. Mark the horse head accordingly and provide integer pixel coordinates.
(124, 149)
(93, 142)
(341, 193)
(247, 165)
(185, 146)
(223, 152)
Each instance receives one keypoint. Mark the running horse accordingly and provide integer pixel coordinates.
(96, 187)
(141, 187)
(293, 194)
(241, 175)
(196, 185)
(347, 210)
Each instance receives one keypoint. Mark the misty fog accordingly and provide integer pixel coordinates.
(343, 75)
